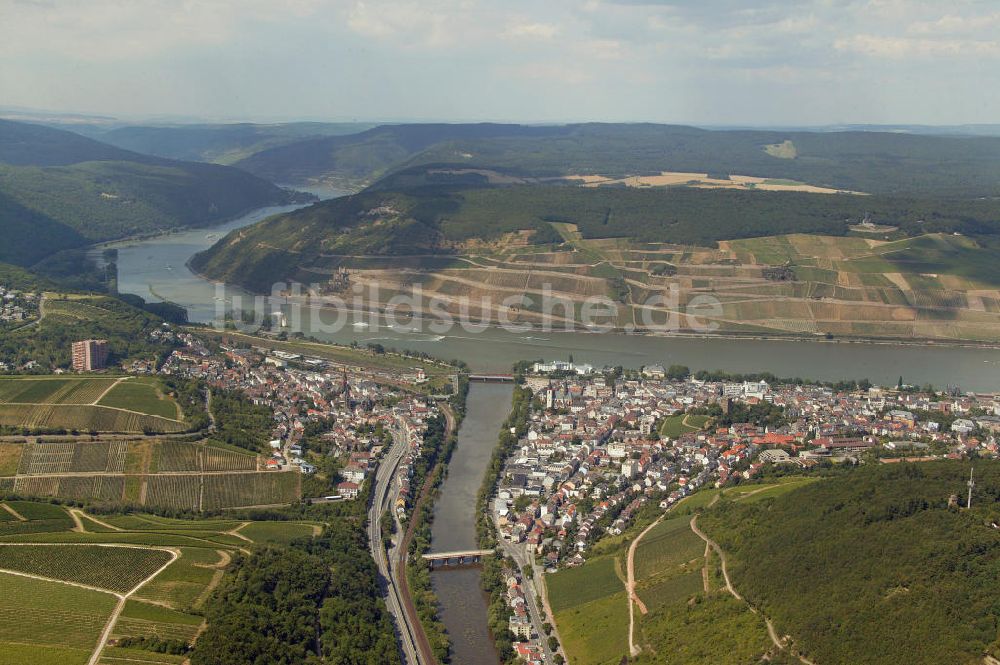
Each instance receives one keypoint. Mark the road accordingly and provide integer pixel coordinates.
(522, 557)
(383, 497)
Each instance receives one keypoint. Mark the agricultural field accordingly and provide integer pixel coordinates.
(103, 404)
(50, 621)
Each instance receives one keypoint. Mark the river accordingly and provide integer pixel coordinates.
(463, 605)
(156, 269)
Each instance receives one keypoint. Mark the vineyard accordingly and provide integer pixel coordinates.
(88, 404)
(48, 623)
(166, 491)
(144, 395)
(70, 457)
(251, 489)
(87, 418)
(56, 390)
(45, 622)
(117, 569)
(140, 619)
(78, 488)
(174, 456)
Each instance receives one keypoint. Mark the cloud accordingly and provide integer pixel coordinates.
(952, 24)
(544, 31)
(899, 48)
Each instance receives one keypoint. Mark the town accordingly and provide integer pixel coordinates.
(328, 418)
(599, 447)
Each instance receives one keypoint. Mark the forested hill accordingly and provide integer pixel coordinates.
(868, 161)
(59, 190)
(439, 220)
(873, 567)
(359, 158)
(219, 143)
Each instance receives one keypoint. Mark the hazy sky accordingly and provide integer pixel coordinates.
(702, 61)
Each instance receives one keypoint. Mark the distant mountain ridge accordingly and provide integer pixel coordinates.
(870, 161)
(60, 190)
(359, 158)
(219, 143)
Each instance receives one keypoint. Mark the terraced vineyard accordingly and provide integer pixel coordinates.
(933, 286)
(114, 568)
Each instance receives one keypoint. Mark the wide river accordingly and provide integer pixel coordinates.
(156, 270)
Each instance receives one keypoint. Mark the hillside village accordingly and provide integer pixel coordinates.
(595, 450)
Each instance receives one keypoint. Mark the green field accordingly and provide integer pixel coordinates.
(675, 426)
(281, 533)
(142, 394)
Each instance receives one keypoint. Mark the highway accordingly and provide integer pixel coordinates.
(383, 497)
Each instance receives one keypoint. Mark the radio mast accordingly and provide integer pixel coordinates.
(972, 483)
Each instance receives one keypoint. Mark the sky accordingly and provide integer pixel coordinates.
(705, 62)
